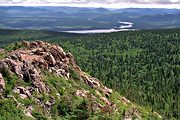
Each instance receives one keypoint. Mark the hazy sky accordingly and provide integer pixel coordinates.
(98, 3)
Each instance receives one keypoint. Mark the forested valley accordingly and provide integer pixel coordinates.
(144, 66)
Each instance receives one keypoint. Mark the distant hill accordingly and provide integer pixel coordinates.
(149, 11)
(74, 18)
(158, 21)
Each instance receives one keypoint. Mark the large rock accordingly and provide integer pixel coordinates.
(14, 66)
(34, 76)
(82, 93)
(1, 50)
(57, 52)
(50, 59)
(28, 111)
(127, 115)
(2, 83)
(124, 100)
(24, 93)
(104, 99)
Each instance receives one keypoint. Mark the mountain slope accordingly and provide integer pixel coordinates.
(158, 21)
(39, 80)
(70, 18)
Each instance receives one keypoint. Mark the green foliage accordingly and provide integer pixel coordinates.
(9, 111)
(14, 46)
(67, 105)
(67, 109)
(10, 80)
(142, 65)
(27, 102)
(74, 74)
(72, 107)
(2, 55)
(12, 36)
(39, 116)
(81, 110)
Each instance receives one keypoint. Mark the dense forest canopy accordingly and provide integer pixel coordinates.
(144, 66)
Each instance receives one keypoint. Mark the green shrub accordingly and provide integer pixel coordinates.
(2, 55)
(14, 46)
(10, 80)
(9, 111)
(73, 74)
(82, 111)
(39, 116)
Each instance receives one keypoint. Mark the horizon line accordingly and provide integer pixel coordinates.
(112, 6)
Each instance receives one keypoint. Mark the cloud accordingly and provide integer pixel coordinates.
(98, 3)
(94, 1)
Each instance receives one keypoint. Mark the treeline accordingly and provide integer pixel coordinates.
(8, 36)
(144, 66)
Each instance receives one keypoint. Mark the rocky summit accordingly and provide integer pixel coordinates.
(41, 81)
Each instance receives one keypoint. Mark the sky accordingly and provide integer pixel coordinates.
(96, 3)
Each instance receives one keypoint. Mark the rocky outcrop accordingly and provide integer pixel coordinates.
(105, 100)
(27, 63)
(124, 100)
(133, 111)
(95, 83)
(28, 112)
(24, 92)
(2, 83)
(108, 106)
(127, 116)
(1, 50)
(159, 116)
(82, 93)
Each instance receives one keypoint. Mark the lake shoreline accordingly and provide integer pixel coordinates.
(124, 26)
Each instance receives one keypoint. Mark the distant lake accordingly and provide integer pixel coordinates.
(124, 26)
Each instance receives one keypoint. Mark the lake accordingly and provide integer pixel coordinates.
(124, 26)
